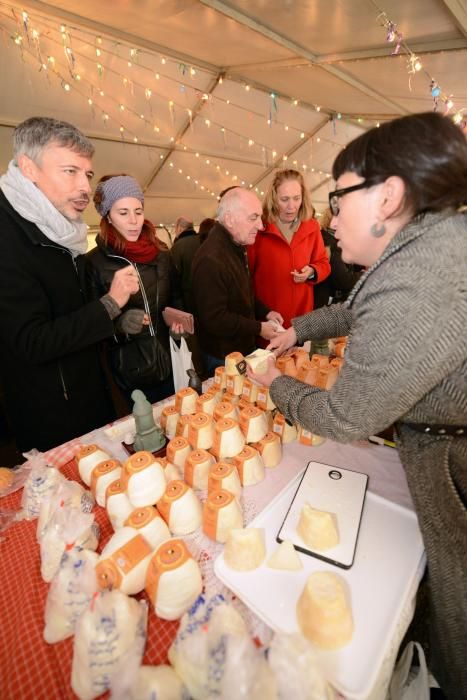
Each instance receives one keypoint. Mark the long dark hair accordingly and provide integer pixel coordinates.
(427, 151)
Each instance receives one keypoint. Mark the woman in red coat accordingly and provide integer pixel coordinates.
(288, 258)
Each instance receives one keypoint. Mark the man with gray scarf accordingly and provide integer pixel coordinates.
(49, 334)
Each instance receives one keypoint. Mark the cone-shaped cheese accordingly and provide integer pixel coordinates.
(244, 549)
(221, 513)
(258, 360)
(323, 611)
(180, 508)
(327, 377)
(337, 362)
(117, 503)
(173, 580)
(340, 348)
(270, 449)
(306, 437)
(177, 451)
(285, 557)
(185, 401)
(172, 472)
(250, 466)
(225, 409)
(317, 528)
(183, 425)
(201, 431)
(220, 378)
(243, 403)
(228, 439)
(308, 373)
(149, 523)
(300, 356)
(101, 476)
(286, 365)
(253, 423)
(144, 478)
(124, 561)
(319, 360)
(169, 420)
(87, 458)
(206, 403)
(223, 475)
(197, 467)
(234, 384)
(250, 390)
(231, 398)
(286, 431)
(231, 362)
(263, 400)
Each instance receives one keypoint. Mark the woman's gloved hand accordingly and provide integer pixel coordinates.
(130, 322)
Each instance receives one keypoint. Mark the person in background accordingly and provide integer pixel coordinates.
(183, 228)
(55, 388)
(186, 244)
(336, 287)
(288, 257)
(204, 228)
(400, 210)
(227, 313)
(127, 238)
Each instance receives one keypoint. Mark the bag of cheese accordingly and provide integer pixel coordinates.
(42, 480)
(65, 493)
(67, 527)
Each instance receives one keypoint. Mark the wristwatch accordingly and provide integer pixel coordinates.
(312, 275)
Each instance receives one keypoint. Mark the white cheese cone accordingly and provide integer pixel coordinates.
(169, 420)
(337, 362)
(225, 409)
(308, 373)
(300, 356)
(270, 449)
(87, 458)
(101, 476)
(206, 403)
(223, 475)
(185, 401)
(340, 348)
(201, 431)
(317, 528)
(286, 365)
(250, 390)
(220, 377)
(117, 503)
(180, 508)
(124, 561)
(244, 549)
(148, 522)
(285, 430)
(243, 403)
(234, 384)
(197, 467)
(228, 439)
(323, 611)
(221, 513)
(177, 451)
(327, 377)
(250, 466)
(172, 472)
(173, 580)
(263, 400)
(306, 437)
(319, 360)
(231, 398)
(258, 360)
(145, 479)
(231, 362)
(183, 425)
(253, 423)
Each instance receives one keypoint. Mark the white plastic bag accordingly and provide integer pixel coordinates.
(181, 362)
(296, 667)
(408, 683)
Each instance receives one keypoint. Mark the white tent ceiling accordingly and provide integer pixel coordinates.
(192, 96)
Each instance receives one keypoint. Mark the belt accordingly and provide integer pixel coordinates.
(438, 429)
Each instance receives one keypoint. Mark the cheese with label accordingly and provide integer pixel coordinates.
(228, 439)
(285, 557)
(177, 451)
(149, 523)
(201, 431)
(231, 362)
(87, 458)
(117, 503)
(185, 401)
(169, 419)
(221, 513)
(270, 449)
(250, 466)
(144, 478)
(317, 528)
(223, 475)
(197, 467)
(124, 562)
(180, 508)
(244, 549)
(323, 611)
(258, 361)
(253, 423)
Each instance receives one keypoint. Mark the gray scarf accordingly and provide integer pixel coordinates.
(33, 205)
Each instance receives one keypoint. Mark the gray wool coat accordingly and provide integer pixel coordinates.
(406, 361)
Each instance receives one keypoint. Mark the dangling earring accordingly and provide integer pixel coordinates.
(108, 219)
(378, 232)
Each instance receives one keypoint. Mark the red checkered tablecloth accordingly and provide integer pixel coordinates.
(31, 669)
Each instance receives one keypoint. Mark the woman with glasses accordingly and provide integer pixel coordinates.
(400, 211)
(288, 258)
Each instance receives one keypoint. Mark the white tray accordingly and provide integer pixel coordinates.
(389, 560)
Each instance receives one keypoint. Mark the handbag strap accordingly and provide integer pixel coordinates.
(152, 330)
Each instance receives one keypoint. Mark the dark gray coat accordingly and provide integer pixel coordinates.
(407, 361)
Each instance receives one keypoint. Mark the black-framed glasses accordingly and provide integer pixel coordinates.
(334, 196)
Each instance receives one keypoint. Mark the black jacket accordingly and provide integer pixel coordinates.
(342, 278)
(54, 386)
(183, 251)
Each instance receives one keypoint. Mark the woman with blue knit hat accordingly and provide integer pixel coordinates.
(126, 237)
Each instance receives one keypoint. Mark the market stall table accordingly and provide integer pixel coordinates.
(30, 668)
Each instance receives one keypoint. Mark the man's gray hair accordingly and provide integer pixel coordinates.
(230, 201)
(34, 134)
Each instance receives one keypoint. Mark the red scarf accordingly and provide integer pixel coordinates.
(141, 251)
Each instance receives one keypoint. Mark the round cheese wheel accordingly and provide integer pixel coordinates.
(231, 362)
(270, 449)
(250, 466)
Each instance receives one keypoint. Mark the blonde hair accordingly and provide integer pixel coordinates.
(326, 218)
(271, 205)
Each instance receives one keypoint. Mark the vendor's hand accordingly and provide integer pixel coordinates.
(268, 377)
(268, 330)
(283, 341)
(275, 316)
(124, 283)
(302, 275)
(130, 322)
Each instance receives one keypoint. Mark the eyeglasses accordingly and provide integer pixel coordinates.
(334, 196)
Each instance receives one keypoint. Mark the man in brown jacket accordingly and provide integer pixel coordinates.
(228, 316)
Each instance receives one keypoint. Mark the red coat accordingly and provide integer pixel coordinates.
(272, 259)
